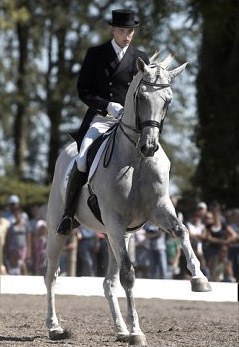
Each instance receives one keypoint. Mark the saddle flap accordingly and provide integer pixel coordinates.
(94, 206)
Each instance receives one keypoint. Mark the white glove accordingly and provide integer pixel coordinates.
(115, 109)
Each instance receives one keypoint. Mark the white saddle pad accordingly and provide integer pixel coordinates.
(93, 167)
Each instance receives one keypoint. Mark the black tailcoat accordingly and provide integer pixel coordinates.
(103, 79)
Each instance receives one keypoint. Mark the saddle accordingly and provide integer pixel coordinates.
(92, 200)
(91, 154)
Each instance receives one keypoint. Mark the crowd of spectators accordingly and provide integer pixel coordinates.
(214, 237)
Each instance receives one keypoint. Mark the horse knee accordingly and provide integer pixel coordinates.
(127, 274)
(51, 274)
(181, 231)
(110, 287)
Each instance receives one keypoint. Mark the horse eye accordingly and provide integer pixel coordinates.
(144, 88)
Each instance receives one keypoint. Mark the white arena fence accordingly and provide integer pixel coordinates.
(144, 288)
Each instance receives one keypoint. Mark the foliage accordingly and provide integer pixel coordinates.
(28, 192)
(39, 102)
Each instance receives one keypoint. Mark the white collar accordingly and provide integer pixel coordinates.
(117, 48)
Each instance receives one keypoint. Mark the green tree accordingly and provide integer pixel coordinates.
(16, 24)
(217, 174)
(57, 35)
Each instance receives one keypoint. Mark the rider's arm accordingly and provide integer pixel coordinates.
(86, 84)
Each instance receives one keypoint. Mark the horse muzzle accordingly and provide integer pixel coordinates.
(149, 148)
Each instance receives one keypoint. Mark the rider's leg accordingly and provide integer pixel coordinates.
(77, 178)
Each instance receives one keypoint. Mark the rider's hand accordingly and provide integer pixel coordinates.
(115, 109)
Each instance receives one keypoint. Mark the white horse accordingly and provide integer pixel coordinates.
(131, 190)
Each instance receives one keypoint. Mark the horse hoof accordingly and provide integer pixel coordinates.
(122, 338)
(137, 340)
(200, 285)
(59, 334)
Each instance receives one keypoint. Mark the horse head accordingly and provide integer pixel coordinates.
(152, 95)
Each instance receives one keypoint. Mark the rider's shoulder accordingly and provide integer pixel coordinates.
(99, 48)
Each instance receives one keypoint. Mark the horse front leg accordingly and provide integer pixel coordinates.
(55, 245)
(199, 282)
(110, 290)
(116, 238)
(165, 217)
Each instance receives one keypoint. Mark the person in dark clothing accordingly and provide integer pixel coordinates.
(103, 82)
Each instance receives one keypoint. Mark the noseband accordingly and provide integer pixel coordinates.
(148, 123)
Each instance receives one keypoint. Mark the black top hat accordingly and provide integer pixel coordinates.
(123, 19)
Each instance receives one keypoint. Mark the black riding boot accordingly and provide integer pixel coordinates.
(76, 180)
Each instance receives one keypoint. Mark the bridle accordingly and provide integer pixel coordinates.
(151, 123)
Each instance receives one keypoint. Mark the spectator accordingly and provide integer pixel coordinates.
(33, 220)
(13, 206)
(4, 225)
(17, 246)
(173, 256)
(215, 234)
(69, 255)
(40, 247)
(195, 227)
(86, 252)
(233, 221)
(157, 251)
(221, 270)
(101, 255)
(141, 264)
(202, 210)
(210, 232)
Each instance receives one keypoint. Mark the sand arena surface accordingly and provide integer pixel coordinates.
(166, 323)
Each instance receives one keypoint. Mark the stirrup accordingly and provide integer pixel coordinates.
(65, 226)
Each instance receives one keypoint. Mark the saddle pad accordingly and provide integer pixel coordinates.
(93, 165)
(96, 160)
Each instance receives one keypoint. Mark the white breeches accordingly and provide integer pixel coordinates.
(97, 127)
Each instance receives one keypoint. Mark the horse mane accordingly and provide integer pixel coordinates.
(165, 63)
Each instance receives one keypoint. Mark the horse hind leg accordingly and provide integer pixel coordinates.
(110, 287)
(54, 247)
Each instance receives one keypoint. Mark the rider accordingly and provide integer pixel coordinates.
(103, 82)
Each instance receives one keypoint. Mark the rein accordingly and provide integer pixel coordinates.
(140, 125)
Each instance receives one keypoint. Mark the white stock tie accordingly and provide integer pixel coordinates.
(120, 55)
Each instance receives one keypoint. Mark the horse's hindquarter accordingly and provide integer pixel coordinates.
(57, 193)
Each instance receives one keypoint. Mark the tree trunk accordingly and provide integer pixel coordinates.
(21, 102)
(56, 91)
(218, 103)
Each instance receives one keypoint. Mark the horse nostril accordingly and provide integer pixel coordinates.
(148, 152)
(143, 149)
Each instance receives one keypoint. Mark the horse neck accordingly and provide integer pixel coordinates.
(129, 107)
(126, 137)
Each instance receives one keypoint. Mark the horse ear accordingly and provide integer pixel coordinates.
(142, 66)
(178, 70)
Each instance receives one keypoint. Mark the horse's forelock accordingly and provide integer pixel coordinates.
(165, 63)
